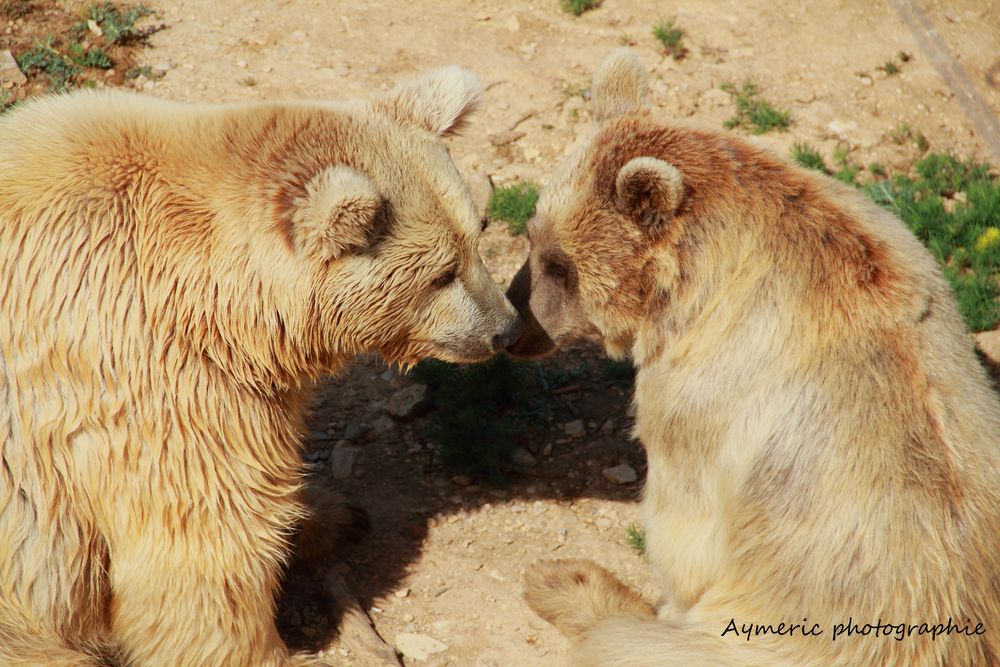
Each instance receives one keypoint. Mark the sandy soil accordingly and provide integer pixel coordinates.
(445, 559)
(445, 556)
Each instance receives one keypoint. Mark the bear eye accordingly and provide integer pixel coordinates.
(556, 270)
(445, 279)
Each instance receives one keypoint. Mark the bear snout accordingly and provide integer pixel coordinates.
(511, 334)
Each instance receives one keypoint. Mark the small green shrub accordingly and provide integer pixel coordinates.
(118, 23)
(577, 7)
(754, 113)
(636, 538)
(514, 204)
(670, 36)
(15, 9)
(42, 58)
(808, 157)
(93, 57)
(966, 240)
(847, 171)
(890, 68)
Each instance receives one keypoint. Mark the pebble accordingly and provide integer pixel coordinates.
(383, 425)
(9, 71)
(419, 647)
(403, 593)
(523, 457)
(620, 474)
(342, 461)
(505, 137)
(408, 402)
(575, 428)
(355, 431)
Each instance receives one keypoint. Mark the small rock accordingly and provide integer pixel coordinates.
(93, 27)
(408, 618)
(575, 428)
(383, 425)
(342, 461)
(842, 128)
(523, 458)
(160, 69)
(402, 593)
(408, 402)
(603, 522)
(547, 449)
(505, 137)
(714, 97)
(620, 474)
(512, 24)
(355, 431)
(9, 71)
(532, 153)
(419, 647)
(461, 480)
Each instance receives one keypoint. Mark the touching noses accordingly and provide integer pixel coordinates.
(512, 330)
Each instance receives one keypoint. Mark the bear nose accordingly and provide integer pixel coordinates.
(510, 334)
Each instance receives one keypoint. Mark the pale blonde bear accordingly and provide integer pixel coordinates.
(823, 446)
(175, 277)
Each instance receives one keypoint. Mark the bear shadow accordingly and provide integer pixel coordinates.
(404, 488)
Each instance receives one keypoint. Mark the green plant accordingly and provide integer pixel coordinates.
(900, 134)
(15, 9)
(42, 58)
(93, 57)
(576, 90)
(577, 7)
(636, 538)
(964, 239)
(752, 112)
(876, 169)
(136, 72)
(847, 171)
(118, 24)
(890, 68)
(670, 36)
(481, 409)
(808, 157)
(514, 204)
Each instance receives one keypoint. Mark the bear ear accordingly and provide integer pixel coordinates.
(649, 190)
(440, 100)
(337, 213)
(619, 85)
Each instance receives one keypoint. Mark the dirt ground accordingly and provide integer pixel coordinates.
(445, 555)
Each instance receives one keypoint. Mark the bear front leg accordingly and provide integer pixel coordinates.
(201, 596)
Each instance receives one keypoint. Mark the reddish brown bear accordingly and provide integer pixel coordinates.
(824, 447)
